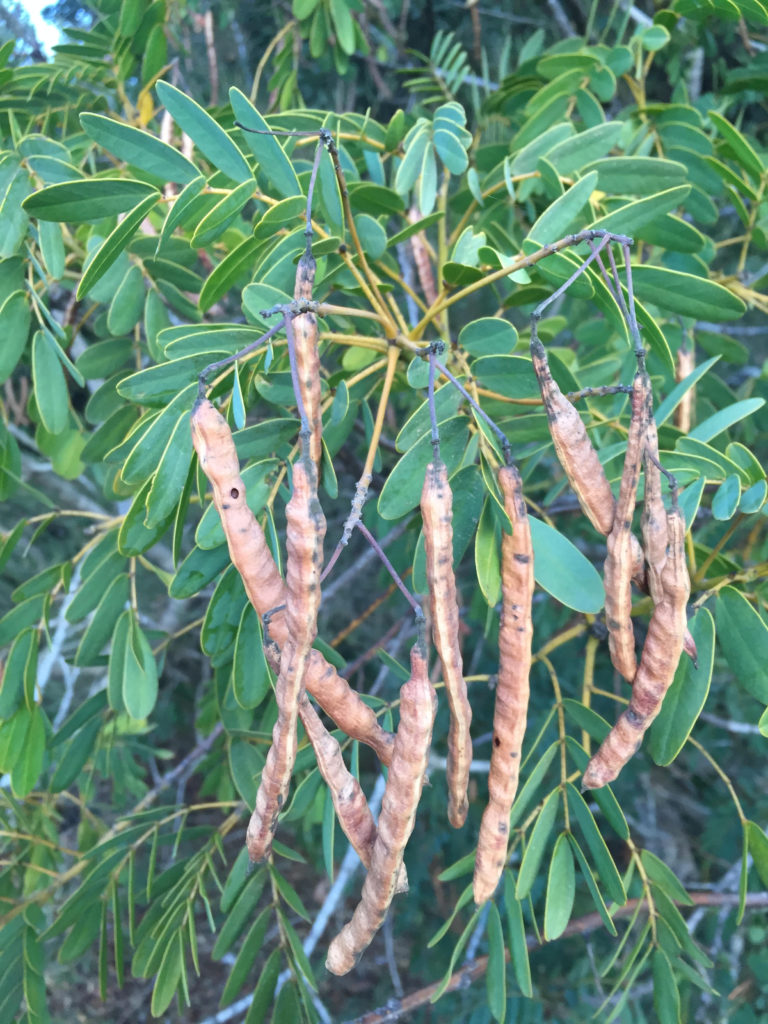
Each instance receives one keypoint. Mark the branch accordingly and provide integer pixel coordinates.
(398, 1008)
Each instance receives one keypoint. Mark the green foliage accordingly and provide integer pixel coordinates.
(144, 236)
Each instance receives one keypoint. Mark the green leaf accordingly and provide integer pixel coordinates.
(573, 153)
(127, 305)
(666, 998)
(741, 149)
(563, 571)
(246, 957)
(214, 223)
(602, 859)
(487, 560)
(29, 764)
(87, 200)
(673, 399)
(265, 989)
(15, 318)
(638, 175)
(402, 490)
(749, 467)
(726, 498)
(159, 384)
(488, 336)
(518, 946)
(594, 892)
(726, 418)
(209, 137)
(743, 637)
(115, 243)
(250, 675)
(753, 499)
(665, 878)
(632, 217)
(687, 694)
(561, 889)
(75, 755)
(140, 149)
(758, 847)
(240, 914)
(12, 684)
(139, 674)
(171, 474)
(116, 669)
(168, 976)
(51, 393)
(135, 537)
(537, 843)
(564, 212)
(271, 156)
(496, 976)
(197, 570)
(686, 294)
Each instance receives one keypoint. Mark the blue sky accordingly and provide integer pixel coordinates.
(46, 33)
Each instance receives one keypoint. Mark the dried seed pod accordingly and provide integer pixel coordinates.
(437, 511)
(307, 355)
(578, 457)
(418, 705)
(512, 688)
(661, 654)
(305, 532)
(263, 583)
(654, 520)
(349, 801)
(421, 259)
(685, 364)
(248, 548)
(619, 557)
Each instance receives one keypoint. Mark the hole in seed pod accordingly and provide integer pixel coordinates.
(496, 741)
(234, 493)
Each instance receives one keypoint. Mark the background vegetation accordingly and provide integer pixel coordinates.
(140, 235)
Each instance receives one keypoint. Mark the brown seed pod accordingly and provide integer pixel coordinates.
(619, 555)
(418, 705)
(307, 355)
(263, 583)
(512, 688)
(661, 654)
(579, 459)
(348, 798)
(305, 531)
(437, 511)
(654, 520)
(421, 259)
(685, 364)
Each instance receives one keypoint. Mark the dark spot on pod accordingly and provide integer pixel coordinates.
(525, 559)
(633, 718)
(503, 828)
(234, 493)
(496, 741)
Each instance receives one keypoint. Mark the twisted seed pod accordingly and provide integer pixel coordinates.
(348, 798)
(578, 457)
(263, 583)
(619, 557)
(661, 654)
(307, 355)
(418, 705)
(305, 532)
(583, 468)
(436, 511)
(512, 688)
(654, 519)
